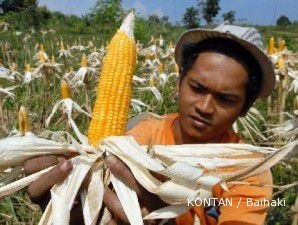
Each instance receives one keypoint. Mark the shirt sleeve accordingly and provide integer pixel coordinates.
(242, 211)
(141, 133)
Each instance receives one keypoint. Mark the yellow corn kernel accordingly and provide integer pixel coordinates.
(271, 46)
(110, 112)
(65, 89)
(53, 59)
(282, 45)
(280, 63)
(23, 121)
(160, 68)
(84, 62)
(152, 82)
(62, 45)
(28, 67)
(41, 48)
(41, 57)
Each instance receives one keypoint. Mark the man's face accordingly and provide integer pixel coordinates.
(211, 97)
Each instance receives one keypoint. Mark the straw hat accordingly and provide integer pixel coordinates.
(248, 37)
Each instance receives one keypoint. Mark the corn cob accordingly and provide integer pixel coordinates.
(53, 59)
(160, 68)
(282, 45)
(41, 57)
(65, 89)
(151, 82)
(84, 62)
(271, 46)
(62, 45)
(110, 112)
(280, 63)
(23, 121)
(41, 47)
(28, 68)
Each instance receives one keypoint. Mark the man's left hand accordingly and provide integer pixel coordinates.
(148, 201)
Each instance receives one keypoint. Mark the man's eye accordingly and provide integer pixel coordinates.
(226, 100)
(197, 89)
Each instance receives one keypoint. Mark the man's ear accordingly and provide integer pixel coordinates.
(177, 88)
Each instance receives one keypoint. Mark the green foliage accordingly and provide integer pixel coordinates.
(107, 13)
(191, 18)
(229, 16)
(283, 21)
(17, 5)
(284, 173)
(210, 10)
(26, 15)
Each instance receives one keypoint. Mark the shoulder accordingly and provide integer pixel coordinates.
(151, 129)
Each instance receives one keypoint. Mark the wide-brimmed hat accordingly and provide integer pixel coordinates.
(250, 38)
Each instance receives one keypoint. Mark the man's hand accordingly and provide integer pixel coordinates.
(39, 190)
(149, 202)
(40, 187)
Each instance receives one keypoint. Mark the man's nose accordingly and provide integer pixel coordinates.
(205, 105)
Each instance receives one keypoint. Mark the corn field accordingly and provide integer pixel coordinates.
(53, 79)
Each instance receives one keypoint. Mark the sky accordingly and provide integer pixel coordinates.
(261, 12)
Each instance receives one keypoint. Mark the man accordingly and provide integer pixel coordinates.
(222, 72)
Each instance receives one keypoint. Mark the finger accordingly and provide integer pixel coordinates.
(123, 173)
(112, 202)
(43, 184)
(146, 212)
(112, 222)
(39, 163)
(85, 182)
(69, 155)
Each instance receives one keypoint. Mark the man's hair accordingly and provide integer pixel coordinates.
(231, 49)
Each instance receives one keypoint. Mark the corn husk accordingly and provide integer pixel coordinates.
(186, 180)
(16, 150)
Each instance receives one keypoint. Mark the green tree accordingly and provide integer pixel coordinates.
(191, 18)
(107, 14)
(153, 18)
(24, 14)
(17, 5)
(229, 16)
(283, 21)
(210, 9)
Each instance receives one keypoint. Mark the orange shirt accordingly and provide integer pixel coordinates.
(155, 131)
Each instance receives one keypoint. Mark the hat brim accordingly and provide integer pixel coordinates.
(198, 35)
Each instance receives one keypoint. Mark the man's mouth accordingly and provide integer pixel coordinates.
(199, 122)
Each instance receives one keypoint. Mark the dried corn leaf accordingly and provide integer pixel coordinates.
(266, 164)
(168, 212)
(15, 151)
(63, 195)
(92, 196)
(129, 201)
(20, 184)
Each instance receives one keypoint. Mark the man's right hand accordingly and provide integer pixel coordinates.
(38, 190)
